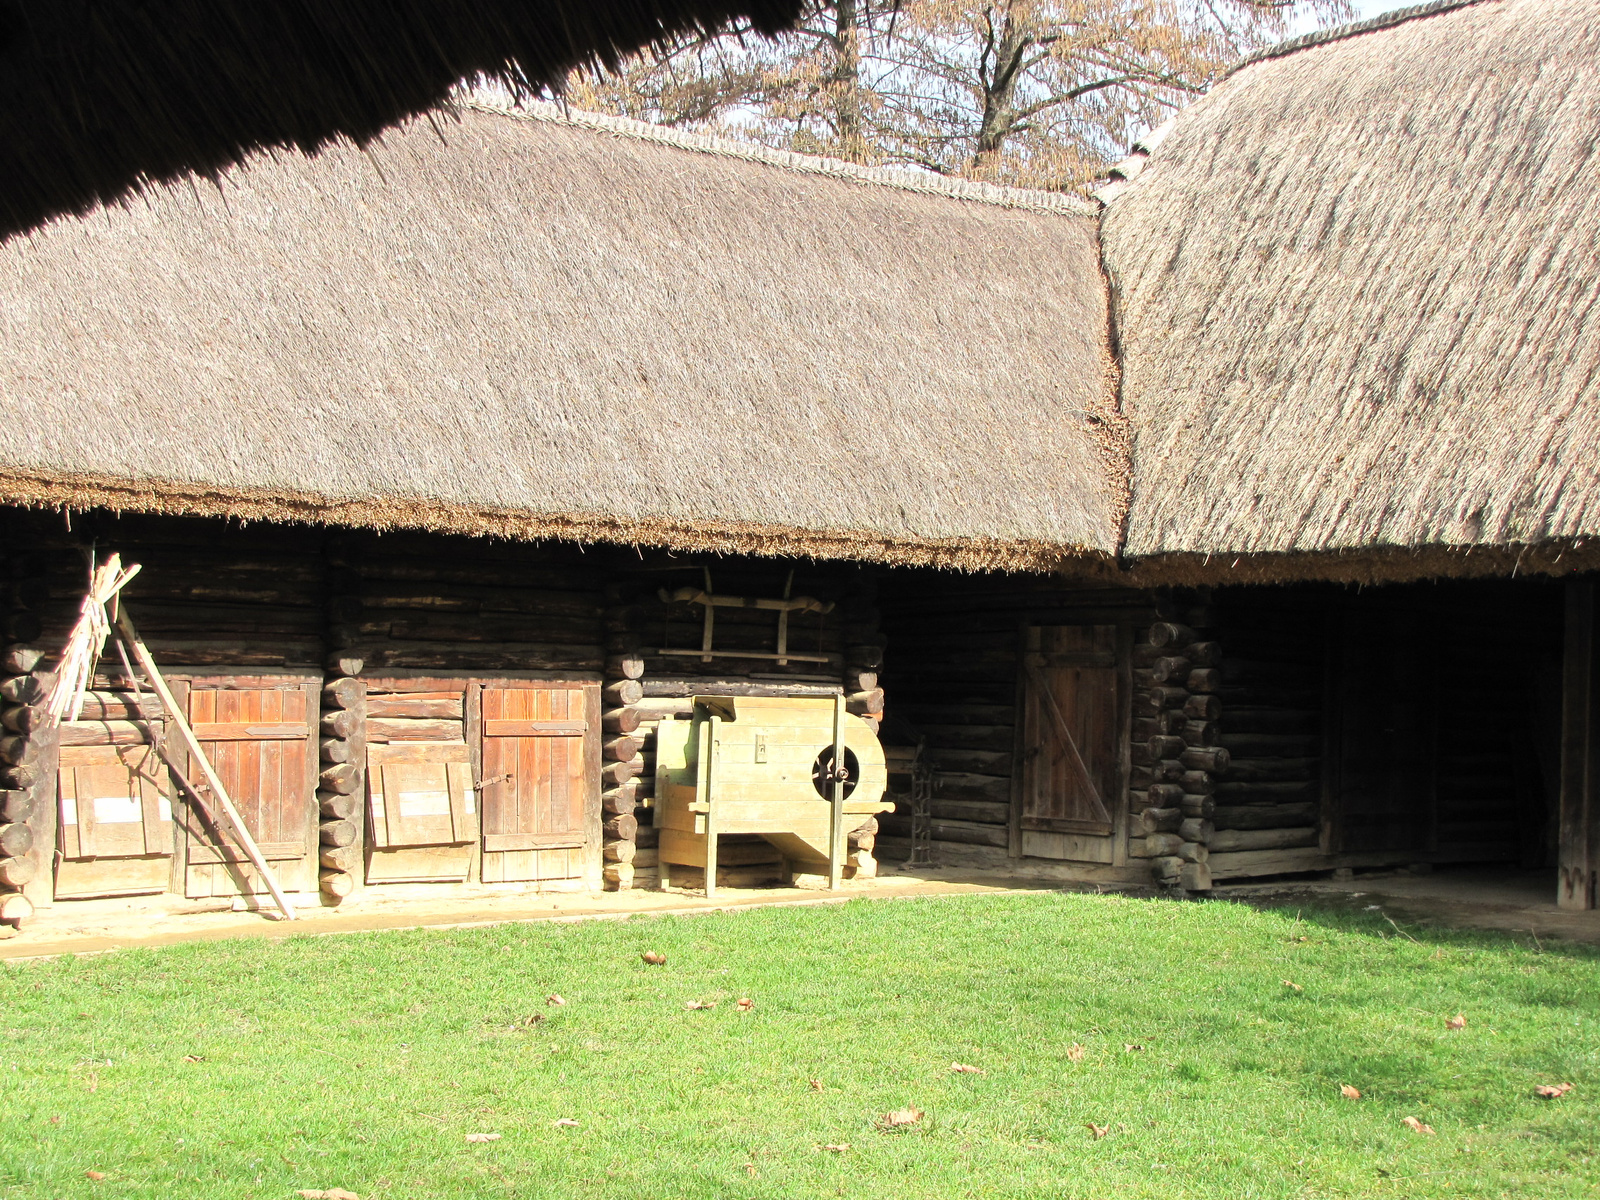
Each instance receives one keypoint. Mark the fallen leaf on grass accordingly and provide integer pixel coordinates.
(1457, 1022)
(745, 1004)
(483, 1137)
(1099, 1131)
(1131, 1048)
(534, 1018)
(966, 1069)
(1416, 1126)
(564, 1123)
(900, 1117)
(326, 1194)
(553, 999)
(750, 1170)
(1348, 1092)
(840, 1148)
(1076, 1051)
(698, 1005)
(97, 1176)
(655, 958)
(816, 1085)
(194, 1058)
(1292, 985)
(1553, 1091)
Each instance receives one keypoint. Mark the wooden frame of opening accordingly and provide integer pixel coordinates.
(205, 865)
(447, 711)
(1075, 839)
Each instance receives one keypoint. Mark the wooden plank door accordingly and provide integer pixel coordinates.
(540, 782)
(1071, 771)
(260, 735)
(115, 835)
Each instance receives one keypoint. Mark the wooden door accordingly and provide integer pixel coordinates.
(421, 802)
(540, 782)
(260, 735)
(1071, 770)
(115, 833)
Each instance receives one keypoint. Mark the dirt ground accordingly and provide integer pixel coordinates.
(1464, 897)
(95, 926)
(1467, 897)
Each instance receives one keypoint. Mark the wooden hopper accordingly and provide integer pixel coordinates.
(764, 765)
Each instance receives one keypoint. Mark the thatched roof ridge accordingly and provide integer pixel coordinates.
(1357, 301)
(1339, 33)
(101, 98)
(569, 326)
(915, 181)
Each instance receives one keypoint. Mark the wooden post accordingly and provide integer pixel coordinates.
(708, 748)
(1578, 859)
(179, 722)
(836, 817)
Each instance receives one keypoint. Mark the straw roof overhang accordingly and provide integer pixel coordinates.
(573, 326)
(101, 98)
(1357, 297)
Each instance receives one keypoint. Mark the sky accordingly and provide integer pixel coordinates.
(1364, 9)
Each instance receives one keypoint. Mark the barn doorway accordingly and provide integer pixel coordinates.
(1406, 726)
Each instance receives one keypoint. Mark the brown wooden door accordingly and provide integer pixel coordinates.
(1071, 769)
(115, 835)
(540, 782)
(259, 734)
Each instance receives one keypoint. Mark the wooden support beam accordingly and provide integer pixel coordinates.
(1578, 855)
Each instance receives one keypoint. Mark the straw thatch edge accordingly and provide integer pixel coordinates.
(81, 493)
(902, 179)
(1367, 566)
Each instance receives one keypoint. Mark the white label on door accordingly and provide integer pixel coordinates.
(118, 810)
(424, 804)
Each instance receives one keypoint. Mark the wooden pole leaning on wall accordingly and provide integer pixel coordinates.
(141, 654)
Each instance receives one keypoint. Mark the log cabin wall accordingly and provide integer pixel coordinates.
(1274, 678)
(953, 676)
(657, 634)
(458, 645)
(281, 641)
(234, 616)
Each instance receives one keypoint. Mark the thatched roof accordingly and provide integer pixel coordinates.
(576, 327)
(100, 96)
(1358, 299)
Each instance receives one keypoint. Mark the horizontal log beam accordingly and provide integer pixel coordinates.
(1227, 840)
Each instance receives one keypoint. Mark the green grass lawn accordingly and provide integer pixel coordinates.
(254, 1069)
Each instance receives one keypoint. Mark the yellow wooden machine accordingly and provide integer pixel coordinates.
(800, 772)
